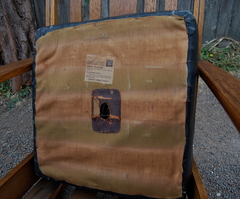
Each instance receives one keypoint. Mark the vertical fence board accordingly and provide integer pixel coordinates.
(63, 11)
(39, 11)
(201, 23)
(221, 17)
(51, 12)
(105, 8)
(198, 12)
(140, 6)
(224, 18)
(121, 7)
(95, 9)
(160, 5)
(171, 4)
(185, 5)
(196, 9)
(85, 10)
(211, 19)
(75, 10)
(150, 5)
(235, 22)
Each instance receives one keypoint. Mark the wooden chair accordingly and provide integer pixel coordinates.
(18, 181)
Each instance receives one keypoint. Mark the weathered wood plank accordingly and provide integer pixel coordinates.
(105, 10)
(201, 23)
(63, 11)
(225, 87)
(44, 189)
(160, 5)
(198, 12)
(140, 6)
(235, 22)
(14, 69)
(185, 5)
(171, 4)
(85, 10)
(19, 180)
(122, 7)
(95, 9)
(198, 189)
(220, 19)
(150, 5)
(39, 11)
(75, 10)
(224, 18)
(196, 9)
(51, 12)
(211, 19)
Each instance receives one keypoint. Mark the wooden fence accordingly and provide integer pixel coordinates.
(221, 16)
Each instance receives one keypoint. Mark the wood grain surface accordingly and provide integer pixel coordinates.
(225, 87)
(51, 12)
(75, 10)
(198, 12)
(44, 189)
(198, 190)
(122, 7)
(14, 69)
(150, 5)
(171, 4)
(20, 179)
(95, 9)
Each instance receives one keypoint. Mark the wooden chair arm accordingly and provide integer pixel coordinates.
(14, 69)
(225, 87)
(19, 180)
(22, 182)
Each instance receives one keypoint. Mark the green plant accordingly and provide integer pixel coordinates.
(25, 91)
(5, 88)
(13, 98)
(223, 52)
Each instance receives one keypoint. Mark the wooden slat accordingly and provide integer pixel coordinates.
(225, 19)
(196, 9)
(185, 5)
(225, 87)
(80, 193)
(122, 7)
(150, 5)
(95, 9)
(104, 8)
(75, 10)
(44, 189)
(14, 69)
(51, 12)
(198, 190)
(19, 180)
(171, 4)
(198, 12)
(201, 23)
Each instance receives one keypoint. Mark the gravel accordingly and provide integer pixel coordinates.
(216, 146)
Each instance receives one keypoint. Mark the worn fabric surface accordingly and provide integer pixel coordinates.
(149, 70)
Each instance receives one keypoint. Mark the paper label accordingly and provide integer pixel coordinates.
(99, 69)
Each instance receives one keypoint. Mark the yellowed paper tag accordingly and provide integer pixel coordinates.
(99, 69)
